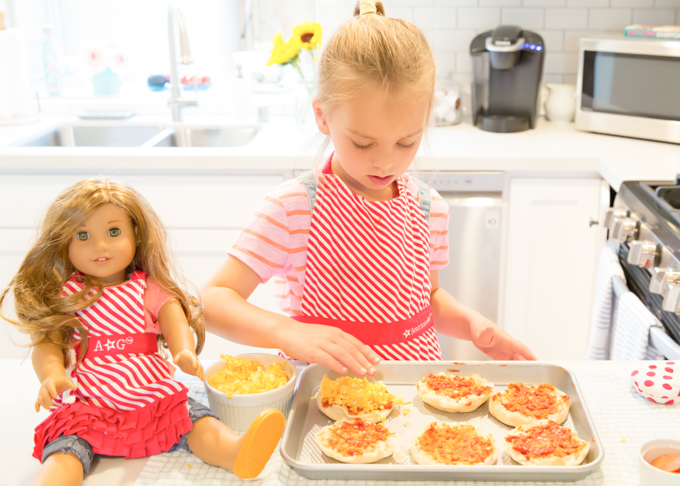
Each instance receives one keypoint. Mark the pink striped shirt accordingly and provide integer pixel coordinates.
(274, 243)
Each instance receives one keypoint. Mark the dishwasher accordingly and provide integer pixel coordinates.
(475, 223)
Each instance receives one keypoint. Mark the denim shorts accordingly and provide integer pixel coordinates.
(82, 449)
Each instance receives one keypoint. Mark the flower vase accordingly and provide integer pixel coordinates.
(304, 92)
(106, 83)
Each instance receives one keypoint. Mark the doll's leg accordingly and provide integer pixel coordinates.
(65, 461)
(216, 444)
(61, 469)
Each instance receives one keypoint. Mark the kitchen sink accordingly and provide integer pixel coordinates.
(207, 137)
(94, 136)
(143, 136)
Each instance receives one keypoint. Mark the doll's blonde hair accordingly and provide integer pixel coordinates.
(41, 311)
(371, 50)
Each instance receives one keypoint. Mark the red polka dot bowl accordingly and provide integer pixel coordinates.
(658, 381)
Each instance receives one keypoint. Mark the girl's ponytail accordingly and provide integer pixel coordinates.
(364, 7)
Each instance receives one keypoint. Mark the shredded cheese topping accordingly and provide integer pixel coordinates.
(538, 401)
(356, 437)
(546, 440)
(455, 387)
(246, 377)
(460, 444)
(356, 395)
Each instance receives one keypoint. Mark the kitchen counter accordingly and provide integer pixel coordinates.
(550, 149)
(624, 421)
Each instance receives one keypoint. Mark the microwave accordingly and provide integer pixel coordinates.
(629, 87)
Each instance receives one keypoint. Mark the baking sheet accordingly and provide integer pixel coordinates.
(301, 452)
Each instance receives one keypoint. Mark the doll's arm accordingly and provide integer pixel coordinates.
(177, 333)
(454, 319)
(48, 364)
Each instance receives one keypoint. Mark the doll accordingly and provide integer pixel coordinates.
(98, 295)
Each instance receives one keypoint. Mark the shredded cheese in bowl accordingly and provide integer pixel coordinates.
(247, 377)
(358, 396)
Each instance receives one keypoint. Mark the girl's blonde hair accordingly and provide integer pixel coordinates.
(41, 311)
(371, 50)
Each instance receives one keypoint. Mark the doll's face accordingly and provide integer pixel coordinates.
(104, 245)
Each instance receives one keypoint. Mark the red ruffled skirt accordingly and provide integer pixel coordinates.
(131, 434)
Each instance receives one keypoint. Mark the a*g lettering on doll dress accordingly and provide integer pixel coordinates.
(127, 402)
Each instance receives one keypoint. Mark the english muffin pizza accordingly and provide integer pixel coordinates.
(347, 398)
(356, 441)
(454, 393)
(545, 443)
(453, 444)
(520, 404)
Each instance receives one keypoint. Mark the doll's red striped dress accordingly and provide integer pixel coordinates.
(127, 402)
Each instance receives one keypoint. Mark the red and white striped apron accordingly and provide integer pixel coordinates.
(127, 402)
(368, 270)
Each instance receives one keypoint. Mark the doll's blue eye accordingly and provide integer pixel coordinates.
(114, 232)
(82, 236)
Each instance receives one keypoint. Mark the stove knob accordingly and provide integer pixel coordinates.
(642, 253)
(658, 284)
(624, 229)
(671, 301)
(613, 213)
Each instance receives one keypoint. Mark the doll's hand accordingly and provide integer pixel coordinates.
(188, 362)
(51, 388)
(498, 344)
(328, 346)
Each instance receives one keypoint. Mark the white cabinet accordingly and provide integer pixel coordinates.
(203, 213)
(551, 255)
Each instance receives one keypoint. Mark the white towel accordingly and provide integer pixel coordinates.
(603, 301)
(630, 334)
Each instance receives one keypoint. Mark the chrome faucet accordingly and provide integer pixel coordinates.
(176, 102)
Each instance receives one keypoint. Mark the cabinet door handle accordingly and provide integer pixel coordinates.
(592, 222)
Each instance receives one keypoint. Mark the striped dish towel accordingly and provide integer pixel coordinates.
(630, 333)
(603, 301)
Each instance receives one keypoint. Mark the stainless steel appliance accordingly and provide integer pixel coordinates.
(475, 224)
(645, 219)
(629, 87)
(506, 65)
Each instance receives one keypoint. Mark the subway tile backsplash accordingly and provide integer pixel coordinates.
(450, 25)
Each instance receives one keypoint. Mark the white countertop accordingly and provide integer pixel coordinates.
(624, 421)
(280, 145)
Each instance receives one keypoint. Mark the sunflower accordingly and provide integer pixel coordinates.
(308, 33)
(284, 52)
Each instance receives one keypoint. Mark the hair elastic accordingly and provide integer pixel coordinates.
(367, 7)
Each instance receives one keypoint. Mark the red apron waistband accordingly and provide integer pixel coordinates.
(379, 333)
(100, 346)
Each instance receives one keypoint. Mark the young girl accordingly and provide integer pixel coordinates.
(98, 294)
(356, 248)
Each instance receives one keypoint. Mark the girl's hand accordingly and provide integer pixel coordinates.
(188, 362)
(51, 388)
(498, 344)
(328, 346)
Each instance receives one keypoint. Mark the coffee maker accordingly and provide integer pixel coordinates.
(506, 64)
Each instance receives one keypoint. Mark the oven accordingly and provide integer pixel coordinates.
(645, 220)
(629, 87)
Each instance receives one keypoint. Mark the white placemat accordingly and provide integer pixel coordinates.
(624, 421)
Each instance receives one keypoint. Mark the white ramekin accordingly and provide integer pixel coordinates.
(239, 411)
(650, 475)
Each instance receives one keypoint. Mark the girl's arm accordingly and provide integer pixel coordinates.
(48, 364)
(177, 333)
(229, 315)
(454, 319)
